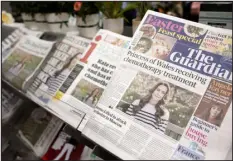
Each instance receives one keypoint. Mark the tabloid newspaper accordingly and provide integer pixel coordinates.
(87, 81)
(39, 130)
(22, 63)
(63, 64)
(65, 147)
(10, 102)
(58, 66)
(170, 97)
(12, 35)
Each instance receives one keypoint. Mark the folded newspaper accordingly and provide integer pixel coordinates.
(39, 130)
(11, 35)
(58, 67)
(22, 63)
(86, 82)
(10, 103)
(170, 97)
(62, 65)
(65, 147)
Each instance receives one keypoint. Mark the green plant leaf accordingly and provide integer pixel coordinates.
(113, 9)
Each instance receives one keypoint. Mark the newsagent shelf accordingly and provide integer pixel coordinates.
(70, 129)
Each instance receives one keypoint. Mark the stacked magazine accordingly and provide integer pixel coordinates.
(164, 94)
(170, 97)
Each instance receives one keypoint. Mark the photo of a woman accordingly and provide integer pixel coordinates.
(213, 115)
(60, 75)
(150, 110)
(17, 68)
(92, 98)
(55, 81)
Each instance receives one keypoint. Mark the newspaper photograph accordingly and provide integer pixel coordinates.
(24, 60)
(58, 67)
(87, 92)
(39, 130)
(169, 98)
(10, 104)
(210, 123)
(159, 105)
(99, 62)
(58, 70)
(12, 36)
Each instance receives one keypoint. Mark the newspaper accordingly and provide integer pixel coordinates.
(24, 60)
(60, 66)
(12, 35)
(86, 83)
(39, 130)
(170, 97)
(10, 103)
(65, 147)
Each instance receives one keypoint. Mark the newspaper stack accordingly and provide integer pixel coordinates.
(65, 147)
(10, 104)
(22, 63)
(83, 86)
(39, 130)
(170, 97)
(11, 35)
(58, 66)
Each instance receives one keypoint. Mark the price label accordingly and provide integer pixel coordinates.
(58, 95)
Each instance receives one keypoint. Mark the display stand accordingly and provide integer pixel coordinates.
(70, 129)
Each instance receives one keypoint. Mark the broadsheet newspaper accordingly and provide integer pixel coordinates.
(85, 84)
(21, 64)
(170, 98)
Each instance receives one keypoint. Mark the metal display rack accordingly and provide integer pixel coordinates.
(70, 129)
(74, 132)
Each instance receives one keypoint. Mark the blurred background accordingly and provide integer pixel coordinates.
(120, 17)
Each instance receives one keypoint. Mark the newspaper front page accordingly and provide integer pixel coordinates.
(86, 83)
(12, 36)
(63, 63)
(24, 60)
(39, 130)
(170, 98)
(10, 104)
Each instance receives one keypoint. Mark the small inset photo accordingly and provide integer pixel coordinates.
(148, 30)
(215, 103)
(143, 46)
(213, 113)
(162, 46)
(194, 31)
(87, 92)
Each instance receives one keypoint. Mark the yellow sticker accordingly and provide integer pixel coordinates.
(58, 95)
